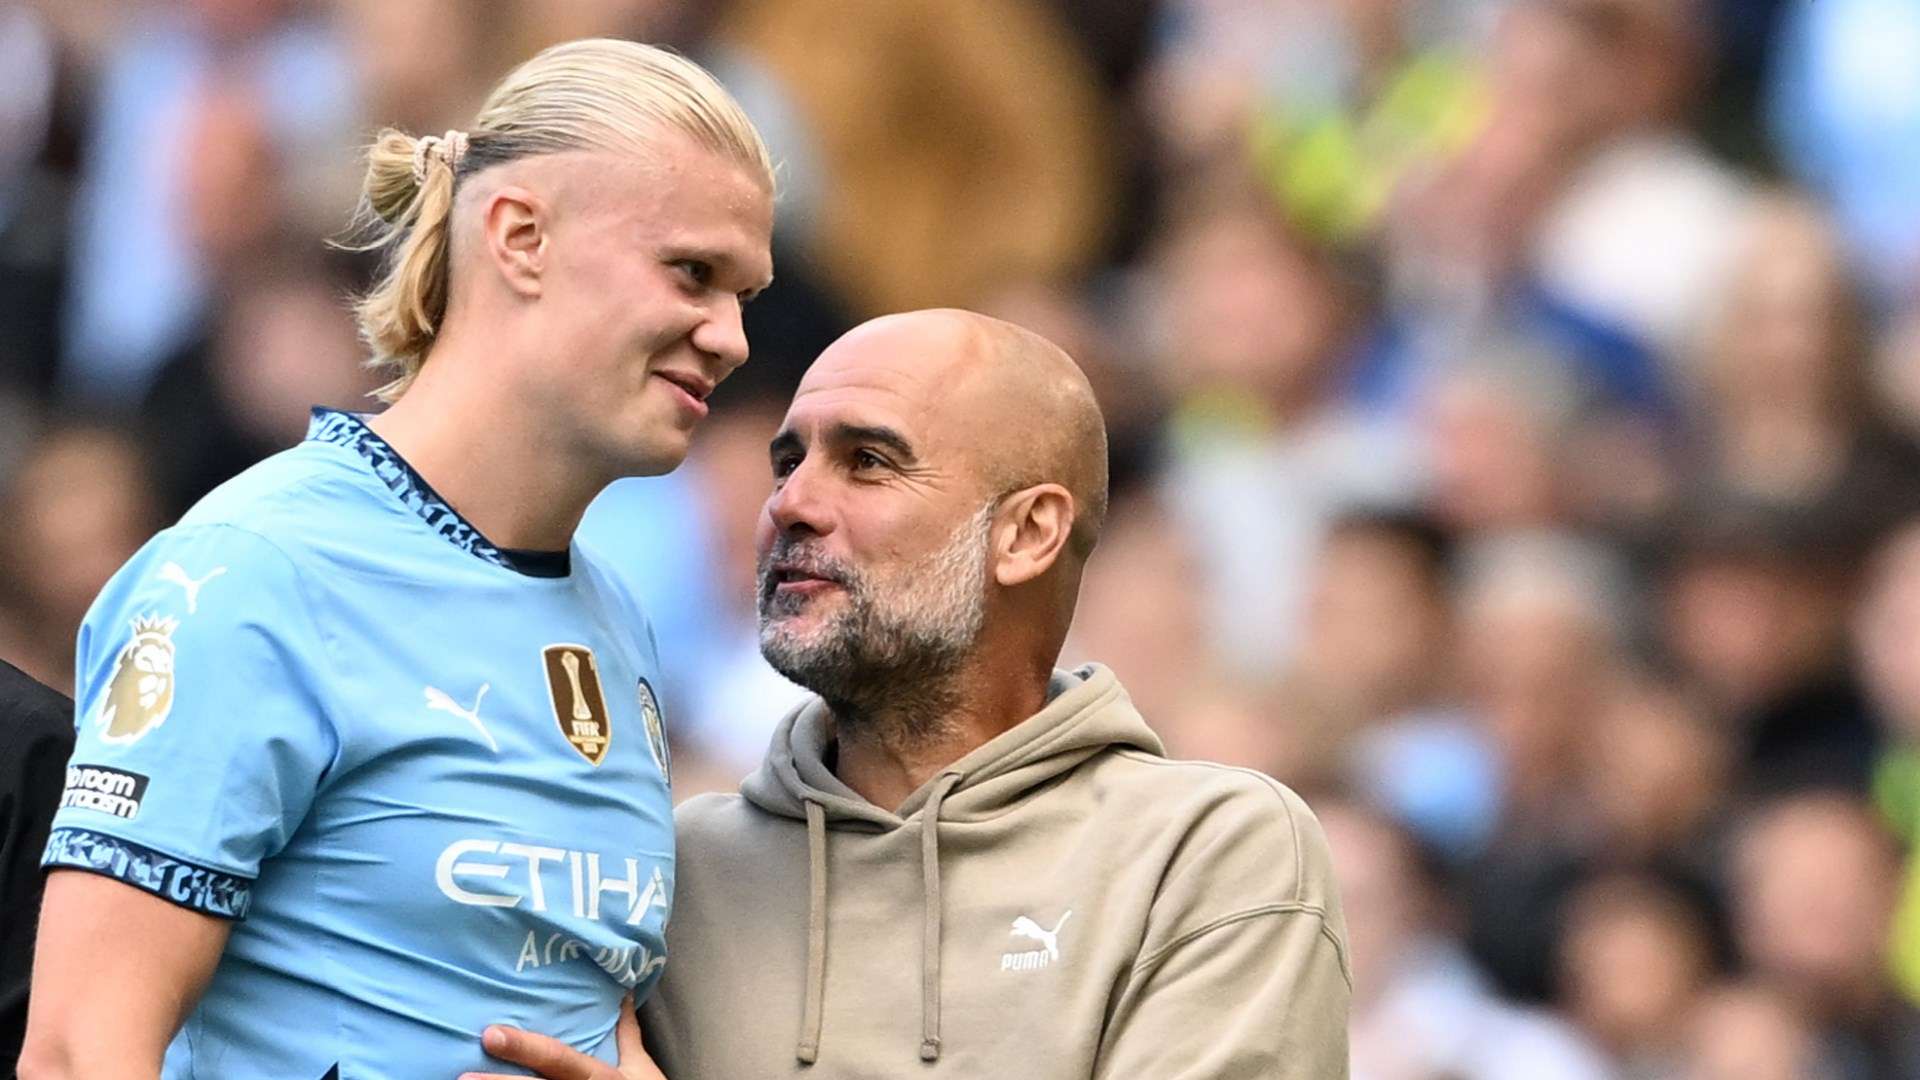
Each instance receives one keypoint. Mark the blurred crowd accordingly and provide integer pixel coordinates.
(1515, 412)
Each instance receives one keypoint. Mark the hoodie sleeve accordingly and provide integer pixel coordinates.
(1244, 969)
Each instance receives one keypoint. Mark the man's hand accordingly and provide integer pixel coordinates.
(555, 1060)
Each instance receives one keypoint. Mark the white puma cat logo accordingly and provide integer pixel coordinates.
(1033, 959)
(438, 699)
(175, 574)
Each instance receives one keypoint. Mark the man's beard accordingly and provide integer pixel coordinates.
(895, 640)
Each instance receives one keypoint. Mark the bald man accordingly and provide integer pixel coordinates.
(956, 859)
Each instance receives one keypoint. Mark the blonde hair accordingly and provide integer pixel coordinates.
(595, 94)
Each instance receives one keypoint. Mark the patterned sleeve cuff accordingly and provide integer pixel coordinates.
(210, 892)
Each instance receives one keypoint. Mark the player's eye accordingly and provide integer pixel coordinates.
(697, 271)
(867, 460)
(784, 465)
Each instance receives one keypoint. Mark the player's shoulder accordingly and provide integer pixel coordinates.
(287, 517)
(1228, 814)
(251, 537)
(289, 498)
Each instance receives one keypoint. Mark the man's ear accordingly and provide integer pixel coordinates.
(516, 223)
(1033, 527)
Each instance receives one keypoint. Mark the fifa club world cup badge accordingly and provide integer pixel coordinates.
(140, 694)
(573, 684)
(656, 730)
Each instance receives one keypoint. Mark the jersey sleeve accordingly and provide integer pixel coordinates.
(203, 723)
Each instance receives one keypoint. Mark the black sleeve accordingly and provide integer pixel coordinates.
(36, 737)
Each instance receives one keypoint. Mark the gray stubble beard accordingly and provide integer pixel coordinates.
(889, 655)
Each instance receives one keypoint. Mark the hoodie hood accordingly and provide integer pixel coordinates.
(1086, 713)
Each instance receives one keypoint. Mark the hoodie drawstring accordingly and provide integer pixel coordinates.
(810, 1019)
(930, 933)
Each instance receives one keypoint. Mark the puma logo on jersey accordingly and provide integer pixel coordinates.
(1034, 959)
(439, 699)
(175, 574)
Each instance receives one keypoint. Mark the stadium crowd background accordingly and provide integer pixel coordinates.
(1514, 410)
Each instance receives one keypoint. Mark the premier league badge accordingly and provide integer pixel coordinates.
(140, 694)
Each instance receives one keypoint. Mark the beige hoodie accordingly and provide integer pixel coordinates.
(1084, 908)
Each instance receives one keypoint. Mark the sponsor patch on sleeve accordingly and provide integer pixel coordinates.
(110, 791)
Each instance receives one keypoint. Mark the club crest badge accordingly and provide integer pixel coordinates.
(573, 685)
(656, 727)
(140, 692)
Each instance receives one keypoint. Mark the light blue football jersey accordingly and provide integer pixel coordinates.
(426, 777)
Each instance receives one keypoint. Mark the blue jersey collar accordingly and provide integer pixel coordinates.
(351, 431)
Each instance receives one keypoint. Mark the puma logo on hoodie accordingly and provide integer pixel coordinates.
(1035, 958)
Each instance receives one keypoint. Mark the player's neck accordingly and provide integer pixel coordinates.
(500, 466)
(891, 748)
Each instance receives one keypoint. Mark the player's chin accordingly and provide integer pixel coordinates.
(657, 455)
(658, 437)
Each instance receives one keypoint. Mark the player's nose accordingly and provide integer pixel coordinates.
(723, 336)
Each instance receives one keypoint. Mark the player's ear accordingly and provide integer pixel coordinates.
(517, 237)
(1030, 530)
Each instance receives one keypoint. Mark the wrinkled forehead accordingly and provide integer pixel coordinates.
(919, 379)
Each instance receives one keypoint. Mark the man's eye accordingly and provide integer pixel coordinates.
(698, 272)
(867, 459)
(784, 466)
